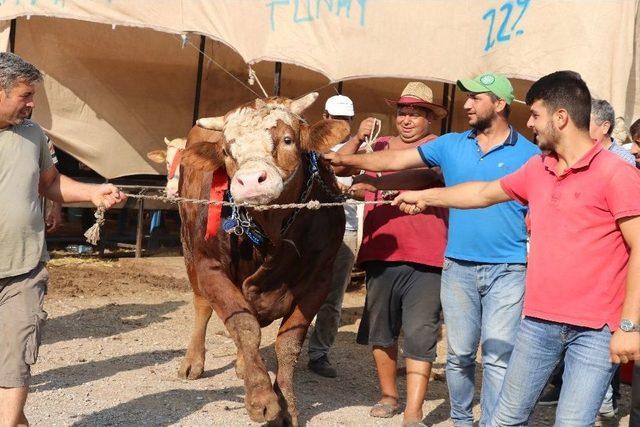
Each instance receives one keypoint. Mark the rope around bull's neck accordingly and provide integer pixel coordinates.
(93, 234)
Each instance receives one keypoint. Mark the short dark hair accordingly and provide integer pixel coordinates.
(14, 69)
(634, 130)
(566, 90)
(507, 107)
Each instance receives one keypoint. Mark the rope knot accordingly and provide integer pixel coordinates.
(313, 204)
(93, 234)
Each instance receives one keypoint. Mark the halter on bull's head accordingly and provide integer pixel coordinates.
(262, 145)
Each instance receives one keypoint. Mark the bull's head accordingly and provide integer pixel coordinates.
(167, 156)
(263, 141)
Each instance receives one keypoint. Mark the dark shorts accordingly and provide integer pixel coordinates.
(21, 322)
(402, 296)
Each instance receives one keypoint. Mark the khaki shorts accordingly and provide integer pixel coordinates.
(21, 322)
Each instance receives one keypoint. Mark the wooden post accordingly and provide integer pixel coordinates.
(12, 36)
(196, 103)
(139, 228)
(452, 104)
(277, 79)
(448, 101)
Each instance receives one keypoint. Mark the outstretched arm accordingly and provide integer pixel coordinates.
(60, 188)
(468, 195)
(379, 161)
(413, 179)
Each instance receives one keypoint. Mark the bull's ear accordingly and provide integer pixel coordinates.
(157, 156)
(322, 136)
(181, 143)
(203, 150)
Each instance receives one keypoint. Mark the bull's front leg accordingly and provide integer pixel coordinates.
(233, 309)
(260, 399)
(291, 335)
(192, 365)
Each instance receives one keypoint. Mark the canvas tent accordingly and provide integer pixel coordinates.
(118, 79)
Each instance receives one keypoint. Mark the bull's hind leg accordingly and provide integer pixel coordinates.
(288, 345)
(192, 365)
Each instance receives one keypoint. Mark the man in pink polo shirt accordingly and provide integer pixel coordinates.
(583, 202)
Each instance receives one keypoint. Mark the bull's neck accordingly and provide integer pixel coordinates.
(271, 220)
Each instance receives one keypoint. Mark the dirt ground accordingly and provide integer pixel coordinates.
(117, 331)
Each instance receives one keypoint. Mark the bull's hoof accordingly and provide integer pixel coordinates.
(191, 369)
(262, 405)
(284, 422)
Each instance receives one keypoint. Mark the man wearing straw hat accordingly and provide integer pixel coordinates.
(402, 257)
(26, 173)
(484, 269)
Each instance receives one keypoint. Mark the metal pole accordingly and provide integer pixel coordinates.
(12, 36)
(196, 103)
(139, 226)
(339, 88)
(277, 79)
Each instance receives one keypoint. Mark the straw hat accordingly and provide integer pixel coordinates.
(420, 95)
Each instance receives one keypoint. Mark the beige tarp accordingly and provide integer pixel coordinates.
(112, 95)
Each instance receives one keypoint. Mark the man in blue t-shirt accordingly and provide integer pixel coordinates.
(485, 260)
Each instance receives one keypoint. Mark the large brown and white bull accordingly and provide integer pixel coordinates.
(265, 147)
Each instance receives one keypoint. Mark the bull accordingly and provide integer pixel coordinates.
(260, 265)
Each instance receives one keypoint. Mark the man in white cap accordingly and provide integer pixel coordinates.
(337, 107)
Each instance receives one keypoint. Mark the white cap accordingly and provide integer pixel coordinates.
(339, 105)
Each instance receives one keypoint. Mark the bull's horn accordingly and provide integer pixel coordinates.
(213, 123)
(166, 140)
(299, 105)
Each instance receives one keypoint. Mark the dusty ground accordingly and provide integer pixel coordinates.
(116, 334)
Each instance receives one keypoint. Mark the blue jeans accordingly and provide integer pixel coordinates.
(538, 349)
(482, 304)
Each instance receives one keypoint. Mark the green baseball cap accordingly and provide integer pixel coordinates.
(495, 83)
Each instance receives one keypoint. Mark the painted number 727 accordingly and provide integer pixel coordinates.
(509, 25)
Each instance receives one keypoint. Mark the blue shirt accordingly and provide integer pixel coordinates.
(622, 153)
(496, 234)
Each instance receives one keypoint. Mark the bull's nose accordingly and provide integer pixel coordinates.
(251, 178)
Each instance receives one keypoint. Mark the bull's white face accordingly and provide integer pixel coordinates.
(167, 156)
(262, 151)
(172, 182)
(262, 145)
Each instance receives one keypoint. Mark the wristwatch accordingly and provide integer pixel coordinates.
(628, 326)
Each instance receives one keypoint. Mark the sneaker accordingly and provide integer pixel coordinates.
(605, 419)
(322, 367)
(550, 398)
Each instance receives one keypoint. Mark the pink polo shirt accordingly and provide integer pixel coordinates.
(578, 260)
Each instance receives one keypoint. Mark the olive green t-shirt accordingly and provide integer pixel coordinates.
(24, 155)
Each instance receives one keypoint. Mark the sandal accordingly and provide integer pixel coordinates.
(384, 410)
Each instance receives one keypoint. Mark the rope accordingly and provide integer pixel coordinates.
(312, 204)
(218, 65)
(93, 234)
(253, 78)
(371, 139)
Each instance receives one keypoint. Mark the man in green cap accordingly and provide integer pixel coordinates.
(484, 268)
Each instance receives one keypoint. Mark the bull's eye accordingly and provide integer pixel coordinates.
(288, 140)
